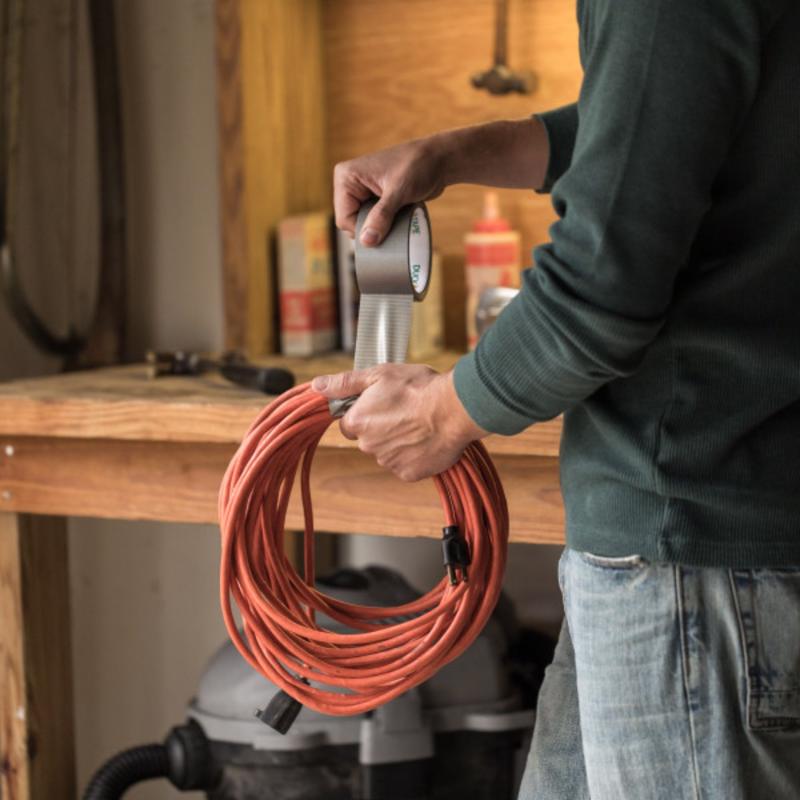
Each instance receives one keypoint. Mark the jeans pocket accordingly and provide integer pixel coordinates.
(768, 608)
(612, 562)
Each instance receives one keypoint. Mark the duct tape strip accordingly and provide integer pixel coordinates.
(391, 277)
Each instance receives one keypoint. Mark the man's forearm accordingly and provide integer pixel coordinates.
(523, 154)
(510, 154)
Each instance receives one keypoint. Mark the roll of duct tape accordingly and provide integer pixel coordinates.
(391, 277)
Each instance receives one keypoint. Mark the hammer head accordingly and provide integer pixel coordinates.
(501, 80)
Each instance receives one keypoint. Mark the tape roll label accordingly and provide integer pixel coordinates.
(419, 251)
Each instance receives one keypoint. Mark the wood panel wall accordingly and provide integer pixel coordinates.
(398, 69)
(272, 147)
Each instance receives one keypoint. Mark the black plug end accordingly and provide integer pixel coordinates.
(281, 712)
(456, 553)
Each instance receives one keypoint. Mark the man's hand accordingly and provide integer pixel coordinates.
(408, 416)
(407, 173)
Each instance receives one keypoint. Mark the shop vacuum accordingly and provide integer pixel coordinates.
(463, 733)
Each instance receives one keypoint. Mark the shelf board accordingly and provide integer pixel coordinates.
(123, 403)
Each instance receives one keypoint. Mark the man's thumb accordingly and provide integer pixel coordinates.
(343, 384)
(379, 221)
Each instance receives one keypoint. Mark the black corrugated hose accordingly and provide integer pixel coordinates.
(184, 759)
(126, 769)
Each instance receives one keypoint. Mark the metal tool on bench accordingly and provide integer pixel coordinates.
(232, 366)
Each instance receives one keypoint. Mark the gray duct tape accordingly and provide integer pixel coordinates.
(384, 327)
(401, 263)
(390, 278)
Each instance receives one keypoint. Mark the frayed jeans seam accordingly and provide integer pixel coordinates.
(684, 649)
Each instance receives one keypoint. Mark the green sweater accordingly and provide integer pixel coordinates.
(663, 316)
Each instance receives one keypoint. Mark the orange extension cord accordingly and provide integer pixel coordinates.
(384, 658)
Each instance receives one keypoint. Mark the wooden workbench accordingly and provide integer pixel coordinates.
(111, 443)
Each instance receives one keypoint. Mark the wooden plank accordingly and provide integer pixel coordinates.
(272, 149)
(113, 479)
(179, 481)
(37, 758)
(121, 403)
(353, 495)
(48, 656)
(14, 773)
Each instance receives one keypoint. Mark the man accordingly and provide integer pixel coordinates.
(663, 320)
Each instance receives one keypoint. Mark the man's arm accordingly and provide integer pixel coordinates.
(667, 85)
(525, 154)
(520, 154)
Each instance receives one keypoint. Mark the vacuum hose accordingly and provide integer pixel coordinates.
(126, 769)
(184, 759)
(391, 649)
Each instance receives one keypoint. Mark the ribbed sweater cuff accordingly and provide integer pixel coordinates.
(561, 126)
(480, 402)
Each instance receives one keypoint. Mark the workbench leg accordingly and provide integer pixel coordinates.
(37, 754)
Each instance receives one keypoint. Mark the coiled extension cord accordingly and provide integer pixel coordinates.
(346, 673)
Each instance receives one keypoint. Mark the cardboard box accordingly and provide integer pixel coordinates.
(308, 316)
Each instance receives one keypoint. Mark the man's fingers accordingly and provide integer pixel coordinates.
(348, 224)
(343, 384)
(345, 429)
(351, 187)
(349, 192)
(379, 220)
(346, 211)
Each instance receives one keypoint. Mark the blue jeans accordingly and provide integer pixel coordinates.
(670, 683)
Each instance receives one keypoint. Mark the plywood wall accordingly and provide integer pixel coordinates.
(398, 69)
(272, 148)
